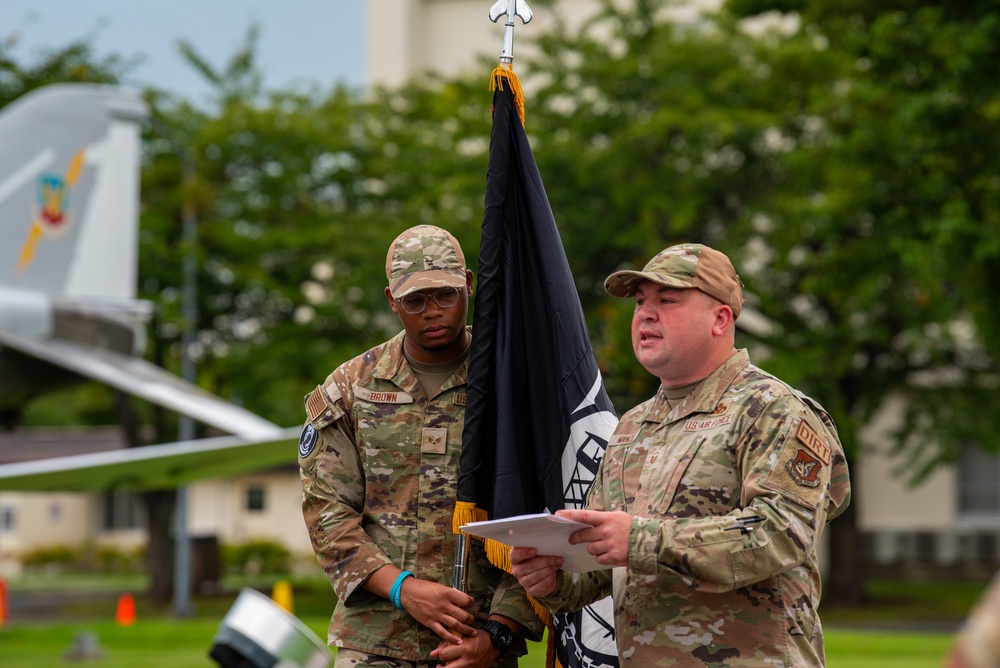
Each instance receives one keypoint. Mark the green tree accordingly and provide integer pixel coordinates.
(848, 167)
(297, 195)
(895, 242)
(649, 133)
(76, 62)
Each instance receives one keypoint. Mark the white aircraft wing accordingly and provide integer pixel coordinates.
(163, 466)
(138, 377)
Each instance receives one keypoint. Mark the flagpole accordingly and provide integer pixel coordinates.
(460, 574)
(511, 8)
(466, 511)
(517, 456)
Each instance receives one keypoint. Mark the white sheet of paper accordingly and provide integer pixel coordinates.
(549, 534)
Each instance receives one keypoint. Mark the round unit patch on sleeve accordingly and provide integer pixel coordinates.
(307, 441)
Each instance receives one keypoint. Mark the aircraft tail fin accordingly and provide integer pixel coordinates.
(69, 191)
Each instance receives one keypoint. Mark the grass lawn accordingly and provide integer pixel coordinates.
(181, 644)
(855, 639)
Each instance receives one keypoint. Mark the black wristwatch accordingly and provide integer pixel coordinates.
(500, 634)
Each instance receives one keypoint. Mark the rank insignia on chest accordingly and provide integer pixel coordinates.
(434, 441)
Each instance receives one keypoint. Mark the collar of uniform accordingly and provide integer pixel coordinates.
(705, 398)
(392, 366)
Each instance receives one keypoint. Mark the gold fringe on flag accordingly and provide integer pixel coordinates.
(466, 512)
(501, 72)
(496, 552)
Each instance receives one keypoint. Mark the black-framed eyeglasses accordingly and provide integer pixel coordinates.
(416, 303)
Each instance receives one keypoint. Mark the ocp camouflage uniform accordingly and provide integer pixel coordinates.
(379, 463)
(698, 590)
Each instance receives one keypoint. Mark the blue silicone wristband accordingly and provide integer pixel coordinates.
(395, 593)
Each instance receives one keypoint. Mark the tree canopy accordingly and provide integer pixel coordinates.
(845, 158)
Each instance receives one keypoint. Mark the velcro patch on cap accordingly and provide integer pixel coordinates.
(379, 397)
(813, 441)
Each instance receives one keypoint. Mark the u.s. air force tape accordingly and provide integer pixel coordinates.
(307, 440)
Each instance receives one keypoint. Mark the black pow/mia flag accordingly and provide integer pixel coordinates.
(537, 418)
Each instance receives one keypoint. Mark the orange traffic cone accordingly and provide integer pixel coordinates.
(3, 602)
(125, 614)
(282, 595)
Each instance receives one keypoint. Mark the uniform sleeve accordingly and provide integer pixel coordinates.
(786, 461)
(511, 601)
(333, 495)
(578, 590)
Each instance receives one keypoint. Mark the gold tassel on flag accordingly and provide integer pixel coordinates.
(497, 553)
(501, 72)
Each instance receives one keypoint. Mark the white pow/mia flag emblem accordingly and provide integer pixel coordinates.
(586, 638)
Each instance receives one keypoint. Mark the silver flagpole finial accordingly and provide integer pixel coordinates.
(511, 8)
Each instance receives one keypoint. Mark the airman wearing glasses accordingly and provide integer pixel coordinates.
(379, 460)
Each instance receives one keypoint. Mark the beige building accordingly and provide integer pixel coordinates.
(450, 37)
(232, 511)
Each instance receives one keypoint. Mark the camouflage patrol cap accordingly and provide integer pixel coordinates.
(424, 257)
(685, 266)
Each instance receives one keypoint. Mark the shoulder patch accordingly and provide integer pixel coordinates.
(315, 405)
(307, 441)
(323, 407)
(804, 469)
(813, 442)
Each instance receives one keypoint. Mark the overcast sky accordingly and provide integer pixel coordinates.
(319, 41)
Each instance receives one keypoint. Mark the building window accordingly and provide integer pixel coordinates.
(978, 484)
(8, 519)
(255, 499)
(122, 510)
